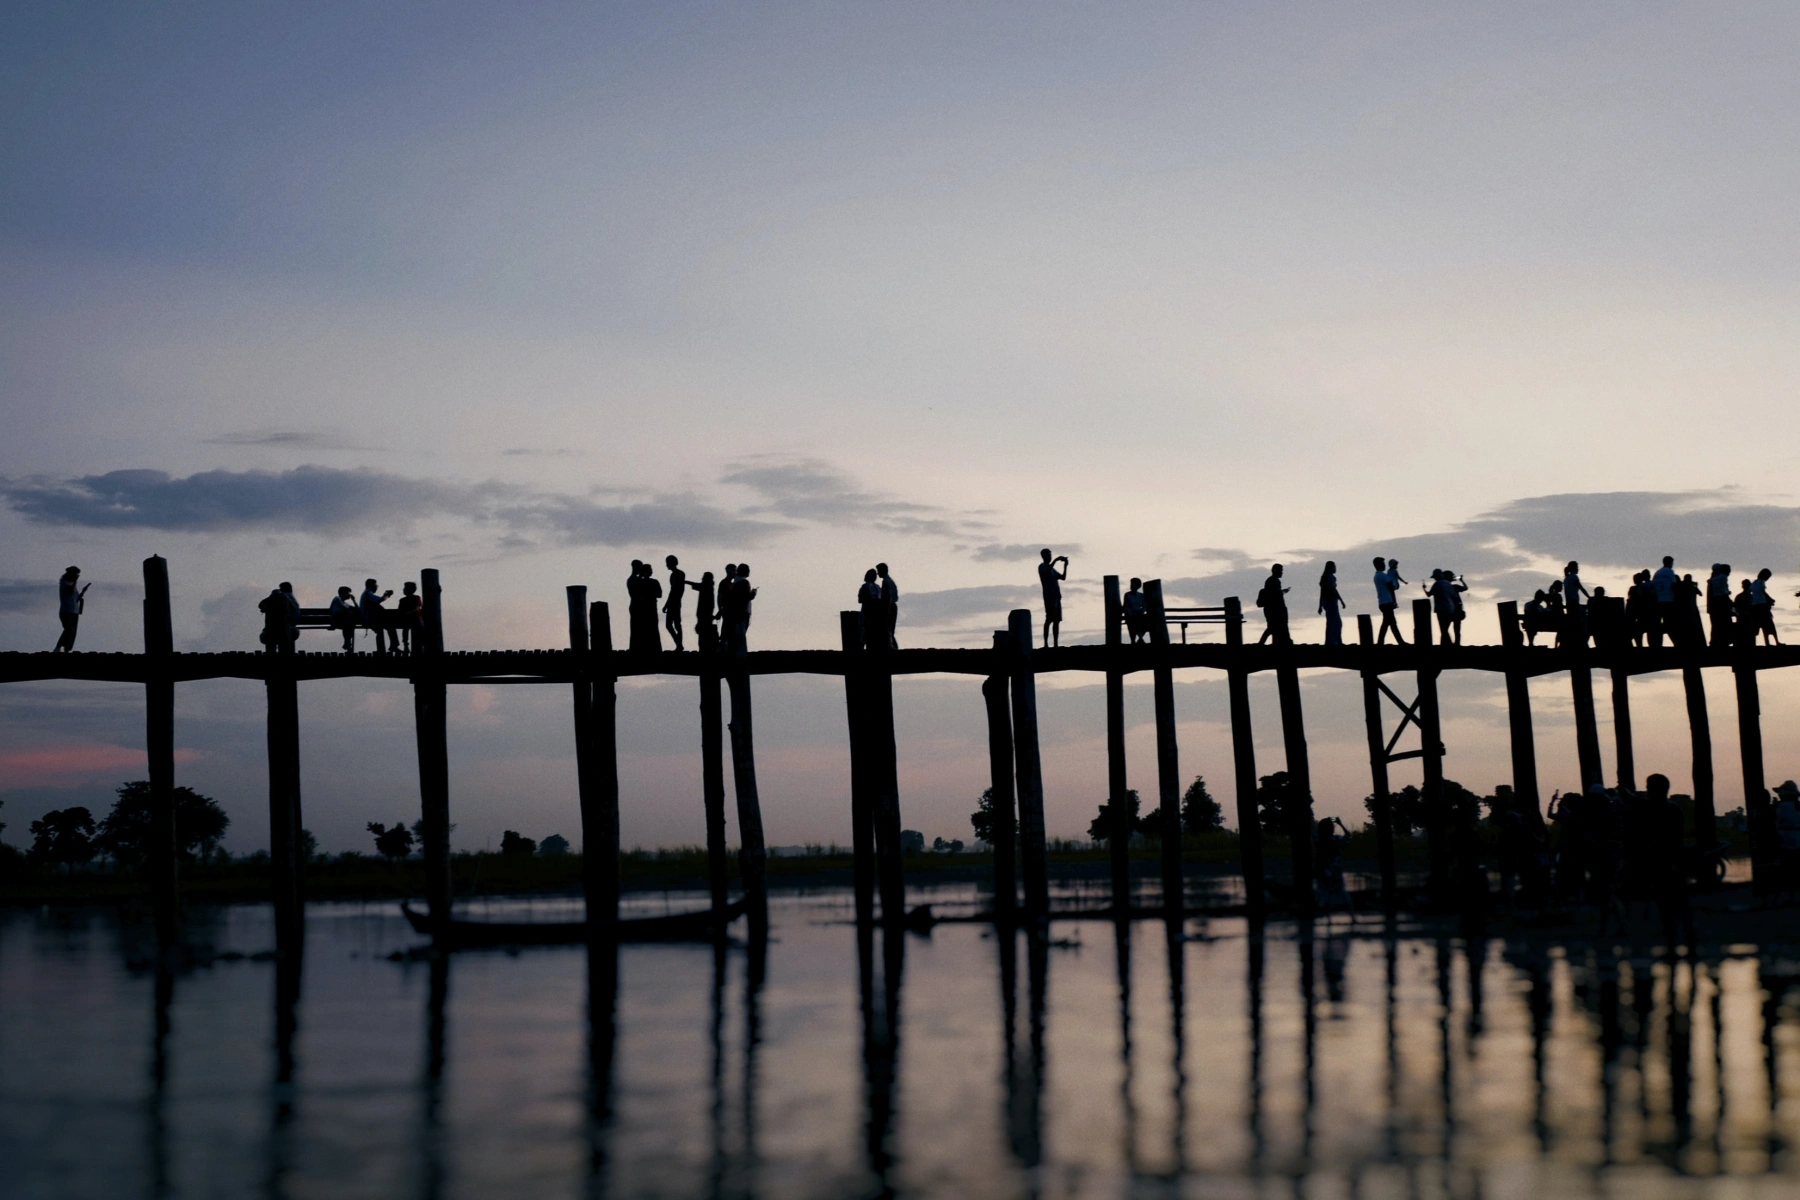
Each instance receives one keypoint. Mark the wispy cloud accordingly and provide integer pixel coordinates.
(811, 489)
(681, 518)
(538, 452)
(295, 439)
(1018, 551)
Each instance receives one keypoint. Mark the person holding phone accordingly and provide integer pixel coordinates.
(1051, 580)
(70, 603)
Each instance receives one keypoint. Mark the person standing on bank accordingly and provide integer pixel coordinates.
(1272, 599)
(1051, 580)
(672, 606)
(1387, 583)
(70, 603)
(890, 605)
(376, 617)
(1332, 605)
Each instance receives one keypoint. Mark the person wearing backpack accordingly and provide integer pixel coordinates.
(1273, 601)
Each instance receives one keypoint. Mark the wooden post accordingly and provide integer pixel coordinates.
(1625, 766)
(430, 717)
(600, 820)
(1518, 713)
(1120, 840)
(1431, 745)
(1243, 760)
(1168, 761)
(287, 851)
(1299, 798)
(883, 774)
(1028, 768)
(712, 774)
(1706, 829)
(1581, 683)
(1765, 848)
(1378, 762)
(862, 804)
(1000, 783)
(752, 856)
(162, 854)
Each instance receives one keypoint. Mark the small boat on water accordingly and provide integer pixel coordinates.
(675, 927)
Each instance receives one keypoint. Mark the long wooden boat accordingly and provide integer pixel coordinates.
(676, 927)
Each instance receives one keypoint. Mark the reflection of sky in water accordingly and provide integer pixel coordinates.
(1422, 1066)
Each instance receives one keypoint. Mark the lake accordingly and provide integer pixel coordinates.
(1358, 1062)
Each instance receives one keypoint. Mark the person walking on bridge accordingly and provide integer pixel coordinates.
(70, 603)
(1272, 599)
(1332, 605)
(1763, 606)
(1387, 585)
(1051, 580)
(672, 606)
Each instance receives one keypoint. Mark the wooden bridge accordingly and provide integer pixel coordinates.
(590, 666)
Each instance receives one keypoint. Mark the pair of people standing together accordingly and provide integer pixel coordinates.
(727, 602)
(879, 599)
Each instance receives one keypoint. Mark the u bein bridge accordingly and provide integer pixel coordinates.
(591, 666)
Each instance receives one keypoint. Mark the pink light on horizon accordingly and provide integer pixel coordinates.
(62, 765)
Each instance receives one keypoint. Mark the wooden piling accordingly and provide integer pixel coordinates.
(1625, 763)
(994, 691)
(752, 855)
(1119, 843)
(862, 804)
(883, 776)
(1765, 846)
(1028, 768)
(1431, 746)
(1168, 761)
(430, 717)
(1706, 830)
(1518, 713)
(1378, 766)
(712, 775)
(596, 759)
(1243, 763)
(1299, 809)
(162, 854)
(287, 851)
(1587, 728)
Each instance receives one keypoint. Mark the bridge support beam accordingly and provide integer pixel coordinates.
(1119, 841)
(1431, 743)
(1243, 764)
(1028, 768)
(994, 690)
(1168, 753)
(1765, 848)
(1518, 715)
(1299, 769)
(596, 760)
(862, 801)
(1378, 768)
(752, 855)
(287, 849)
(712, 776)
(1706, 829)
(1625, 762)
(159, 739)
(430, 718)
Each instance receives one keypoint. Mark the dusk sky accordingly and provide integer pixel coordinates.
(319, 292)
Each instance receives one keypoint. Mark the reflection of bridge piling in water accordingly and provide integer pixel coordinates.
(1008, 669)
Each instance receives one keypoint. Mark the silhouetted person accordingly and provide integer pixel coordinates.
(343, 617)
(1743, 615)
(1332, 605)
(1640, 609)
(70, 603)
(409, 614)
(1536, 615)
(646, 632)
(1272, 599)
(1051, 580)
(1664, 870)
(274, 608)
(1687, 630)
(1387, 584)
(868, 598)
(1718, 603)
(1447, 605)
(1574, 613)
(672, 606)
(1519, 842)
(890, 605)
(1328, 862)
(1787, 831)
(735, 595)
(1137, 612)
(1663, 585)
(1763, 607)
(376, 617)
(705, 612)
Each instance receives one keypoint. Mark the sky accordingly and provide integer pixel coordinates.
(333, 291)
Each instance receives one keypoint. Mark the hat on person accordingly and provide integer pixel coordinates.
(1789, 790)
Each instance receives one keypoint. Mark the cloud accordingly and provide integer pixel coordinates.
(298, 439)
(306, 499)
(534, 452)
(810, 489)
(27, 595)
(1020, 551)
(1638, 528)
(684, 519)
(954, 606)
